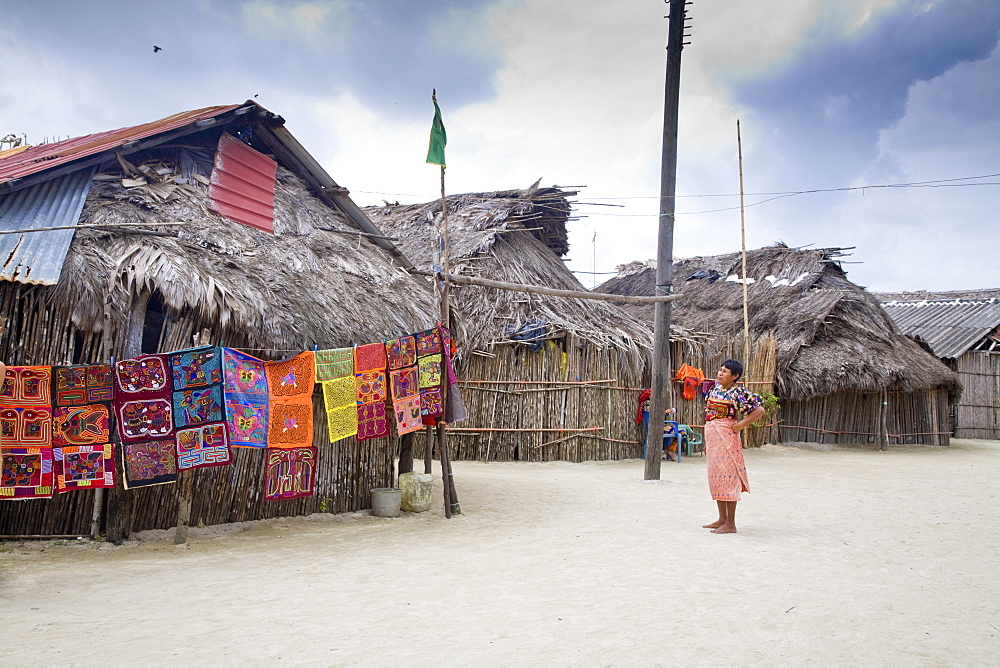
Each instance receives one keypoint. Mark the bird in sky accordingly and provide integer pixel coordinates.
(156, 48)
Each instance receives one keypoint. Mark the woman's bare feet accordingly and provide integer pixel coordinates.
(725, 528)
(714, 525)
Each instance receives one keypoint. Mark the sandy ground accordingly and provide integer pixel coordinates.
(843, 556)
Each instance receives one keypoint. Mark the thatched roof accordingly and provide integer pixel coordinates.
(516, 236)
(832, 335)
(315, 281)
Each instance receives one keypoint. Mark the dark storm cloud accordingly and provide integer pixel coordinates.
(821, 117)
(382, 52)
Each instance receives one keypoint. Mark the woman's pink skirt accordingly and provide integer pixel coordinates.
(727, 472)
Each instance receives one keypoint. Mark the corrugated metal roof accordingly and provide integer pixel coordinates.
(47, 156)
(242, 187)
(37, 257)
(949, 327)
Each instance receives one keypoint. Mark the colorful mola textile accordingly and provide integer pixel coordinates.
(370, 387)
(80, 425)
(404, 383)
(407, 414)
(430, 371)
(373, 422)
(370, 357)
(146, 376)
(334, 363)
(401, 352)
(428, 342)
(81, 405)
(340, 398)
(26, 473)
(149, 463)
(289, 473)
(196, 377)
(142, 398)
(431, 405)
(26, 407)
(84, 467)
(144, 419)
(291, 384)
(202, 446)
(246, 398)
(81, 385)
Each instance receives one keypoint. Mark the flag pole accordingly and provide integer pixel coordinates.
(435, 155)
(743, 246)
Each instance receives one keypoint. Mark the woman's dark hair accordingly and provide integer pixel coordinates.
(735, 367)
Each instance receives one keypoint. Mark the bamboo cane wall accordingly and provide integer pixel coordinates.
(542, 420)
(854, 417)
(40, 333)
(977, 414)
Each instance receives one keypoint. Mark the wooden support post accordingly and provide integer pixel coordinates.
(451, 506)
(120, 500)
(661, 389)
(429, 450)
(184, 506)
(98, 513)
(405, 454)
(883, 429)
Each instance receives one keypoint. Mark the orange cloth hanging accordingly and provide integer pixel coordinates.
(692, 378)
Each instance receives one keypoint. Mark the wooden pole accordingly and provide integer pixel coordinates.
(120, 500)
(883, 431)
(743, 246)
(98, 512)
(405, 454)
(450, 496)
(555, 292)
(429, 449)
(184, 506)
(98, 225)
(661, 391)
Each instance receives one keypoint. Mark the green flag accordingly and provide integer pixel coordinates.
(439, 138)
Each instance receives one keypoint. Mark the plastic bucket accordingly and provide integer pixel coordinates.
(417, 490)
(385, 501)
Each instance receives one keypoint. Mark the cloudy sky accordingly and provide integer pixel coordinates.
(837, 96)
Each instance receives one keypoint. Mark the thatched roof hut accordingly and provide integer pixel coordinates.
(832, 336)
(151, 249)
(962, 328)
(520, 236)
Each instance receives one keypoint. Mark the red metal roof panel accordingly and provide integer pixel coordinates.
(47, 156)
(242, 187)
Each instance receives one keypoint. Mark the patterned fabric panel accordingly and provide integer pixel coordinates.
(291, 383)
(370, 387)
(369, 357)
(404, 383)
(428, 342)
(81, 385)
(334, 363)
(407, 414)
(244, 383)
(401, 352)
(84, 467)
(203, 446)
(26, 473)
(289, 474)
(373, 422)
(149, 463)
(430, 371)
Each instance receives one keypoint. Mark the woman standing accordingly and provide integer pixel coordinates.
(727, 473)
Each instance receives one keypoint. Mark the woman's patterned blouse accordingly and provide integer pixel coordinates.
(722, 403)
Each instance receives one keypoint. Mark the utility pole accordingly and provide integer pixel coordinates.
(661, 390)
